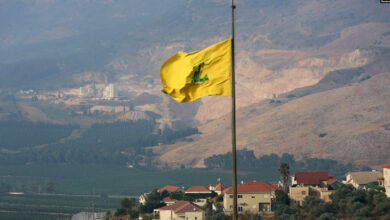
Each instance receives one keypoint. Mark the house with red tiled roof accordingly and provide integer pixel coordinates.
(386, 179)
(219, 188)
(169, 189)
(253, 196)
(225, 190)
(169, 201)
(310, 178)
(197, 190)
(314, 183)
(182, 210)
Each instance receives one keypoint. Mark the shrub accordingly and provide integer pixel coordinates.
(363, 212)
(383, 207)
(283, 212)
(282, 197)
(327, 216)
(316, 207)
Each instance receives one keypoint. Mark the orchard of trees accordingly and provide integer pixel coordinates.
(347, 203)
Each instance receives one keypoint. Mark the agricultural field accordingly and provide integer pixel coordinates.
(90, 179)
(75, 187)
(34, 206)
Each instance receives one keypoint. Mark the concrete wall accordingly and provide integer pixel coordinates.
(195, 216)
(386, 175)
(170, 215)
(298, 194)
(248, 202)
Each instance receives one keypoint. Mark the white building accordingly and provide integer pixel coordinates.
(182, 210)
(386, 176)
(359, 180)
(110, 92)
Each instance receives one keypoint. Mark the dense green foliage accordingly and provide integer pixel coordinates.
(128, 207)
(284, 171)
(247, 161)
(282, 198)
(317, 207)
(347, 202)
(21, 134)
(153, 201)
(359, 204)
(281, 208)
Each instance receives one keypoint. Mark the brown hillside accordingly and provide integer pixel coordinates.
(348, 124)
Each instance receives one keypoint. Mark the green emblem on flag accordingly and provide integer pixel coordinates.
(197, 74)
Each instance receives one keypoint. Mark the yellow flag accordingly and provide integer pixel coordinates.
(187, 77)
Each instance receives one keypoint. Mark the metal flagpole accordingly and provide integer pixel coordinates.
(233, 90)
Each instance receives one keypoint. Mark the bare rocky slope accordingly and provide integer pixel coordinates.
(348, 123)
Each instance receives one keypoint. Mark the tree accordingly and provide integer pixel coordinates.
(164, 194)
(282, 197)
(316, 206)
(339, 196)
(127, 204)
(177, 195)
(283, 212)
(284, 171)
(153, 201)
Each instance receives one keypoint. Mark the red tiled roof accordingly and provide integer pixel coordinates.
(182, 207)
(225, 190)
(312, 177)
(214, 199)
(253, 187)
(386, 166)
(196, 189)
(330, 181)
(169, 188)
(220, 187)
(169, 200)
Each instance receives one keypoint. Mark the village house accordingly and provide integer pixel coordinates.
(182, 210)
(142, 198)
(386, 177)
(220, 188)
(197, 190)
(169, 201)
(254, 197)
(359, 180)
(313, 183)
(170, 189)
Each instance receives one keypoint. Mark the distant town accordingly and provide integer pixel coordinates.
(90, 99)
